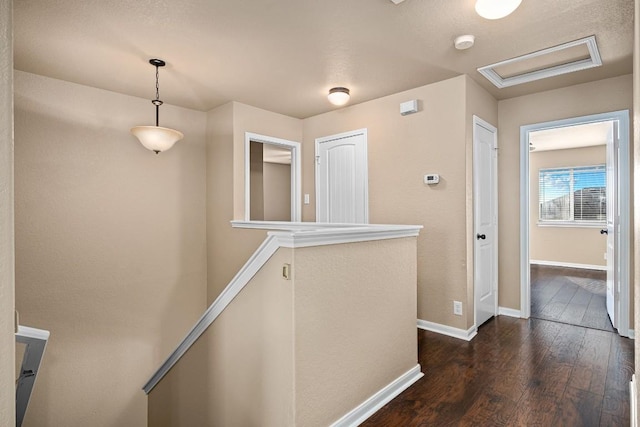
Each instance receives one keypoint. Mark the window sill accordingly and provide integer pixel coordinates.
(572, 224)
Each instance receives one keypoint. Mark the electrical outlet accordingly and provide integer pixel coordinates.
(457, 308)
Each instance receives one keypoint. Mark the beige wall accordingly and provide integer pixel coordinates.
(110, 246)
(401, 150)
(580, 100)
(277, 192)
(575, 245)
(7, 340)
(228, 248)
(241, 370)
(355, 324)
(303, 351)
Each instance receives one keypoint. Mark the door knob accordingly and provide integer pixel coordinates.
(604, 231)
(481, 236)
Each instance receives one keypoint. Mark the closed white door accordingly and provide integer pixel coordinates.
(485, 196)
(612, 229)
(341, 178)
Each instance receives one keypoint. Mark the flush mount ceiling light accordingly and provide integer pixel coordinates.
(156, 138)
(496, 9)
(339, 95)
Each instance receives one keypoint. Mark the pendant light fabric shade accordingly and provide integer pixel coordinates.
(156, 138)
(496, 9)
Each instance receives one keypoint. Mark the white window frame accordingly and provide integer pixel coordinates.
(571, 222)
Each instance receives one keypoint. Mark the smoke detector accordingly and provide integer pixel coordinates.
(464, 42)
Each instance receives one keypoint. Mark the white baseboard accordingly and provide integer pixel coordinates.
(505, 311)
(370, 406)
(632, 334)
(568, 265)
(633, 400)
(448, 330)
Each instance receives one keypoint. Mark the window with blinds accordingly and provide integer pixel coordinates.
(576, 195)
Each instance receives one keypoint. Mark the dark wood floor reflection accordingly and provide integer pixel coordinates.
(570, 295)
(517, 372)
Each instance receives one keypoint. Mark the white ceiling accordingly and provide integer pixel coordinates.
(284, 55)
(578, 136)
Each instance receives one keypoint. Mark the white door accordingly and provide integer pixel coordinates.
(341, 178)
(612, 223)
(485, 196)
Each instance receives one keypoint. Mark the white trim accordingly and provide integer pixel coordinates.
(26, 334)
(569, 265)
(343, 235)
(448, 330)
(312, 235)
(296, 174)
(501, 82)
(510, 312)
(570, 224)
(293, 226)
(385, 395)
(624, 182)
(633, 400)
(344, 135)
(632, 334)
(35, 341)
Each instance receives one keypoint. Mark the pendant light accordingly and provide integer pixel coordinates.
(156, 138)
(496, 9)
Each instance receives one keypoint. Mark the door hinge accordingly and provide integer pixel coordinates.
(317, 160)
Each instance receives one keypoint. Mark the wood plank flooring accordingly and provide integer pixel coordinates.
(570, 295)
(517, 372)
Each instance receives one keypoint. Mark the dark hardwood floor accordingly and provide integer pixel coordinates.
(570, 295)
(517, 372)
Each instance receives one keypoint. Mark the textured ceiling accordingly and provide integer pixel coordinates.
(284, 55)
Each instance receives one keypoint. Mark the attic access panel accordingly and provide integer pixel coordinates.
(565, 58)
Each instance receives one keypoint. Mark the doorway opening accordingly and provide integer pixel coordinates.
(575, 248)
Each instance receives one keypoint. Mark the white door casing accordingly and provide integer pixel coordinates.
(485, 202)
(342, 178)
(622, 243)
(612, 228)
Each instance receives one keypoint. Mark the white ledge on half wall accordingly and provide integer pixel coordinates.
(303, 234)
(288, 235)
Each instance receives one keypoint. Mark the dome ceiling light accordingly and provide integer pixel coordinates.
(496, 9)
(339, 96)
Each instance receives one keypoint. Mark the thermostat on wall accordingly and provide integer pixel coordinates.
(432, 178)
